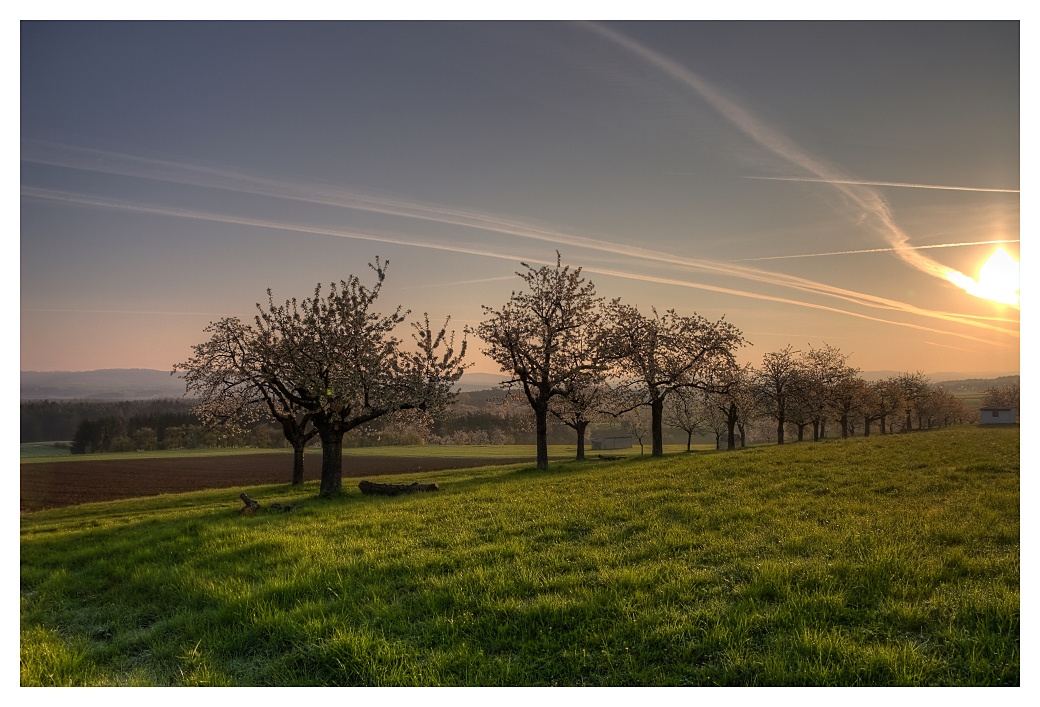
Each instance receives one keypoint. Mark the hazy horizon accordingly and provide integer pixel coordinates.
(490, 373)
(813, 182)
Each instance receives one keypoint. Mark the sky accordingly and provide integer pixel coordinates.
(838, 183)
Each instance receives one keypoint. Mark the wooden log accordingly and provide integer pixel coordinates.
(372, 488)
(251, 505)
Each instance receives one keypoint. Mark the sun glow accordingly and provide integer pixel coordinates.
(997, 281)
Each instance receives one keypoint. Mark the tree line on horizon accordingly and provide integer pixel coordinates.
(486, 417)
(331, 364)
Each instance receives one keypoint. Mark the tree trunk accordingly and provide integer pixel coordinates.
(883, 421)
(656, 429)
(297, 463)
(801, 432)
(580, 429)
(294, 434)
(742, 436)
(331, 463)
(815, 430)
(844, 426)
(689, 440)
(866, 426)
(780, 429)
(541, 413)
(731, 423)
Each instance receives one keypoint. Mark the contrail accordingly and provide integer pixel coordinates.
(875, 250)
(784, 300)
(458, 282)
(221, 178)
(885, 184)
(242, 221)
(793, 336)
(870, 204)
(121, 311)
(958, 348)
(458, 248)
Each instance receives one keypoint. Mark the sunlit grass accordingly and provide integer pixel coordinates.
(878, 561)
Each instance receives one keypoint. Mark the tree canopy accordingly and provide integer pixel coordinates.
(545, 338)
(330, 360)
(662, 353)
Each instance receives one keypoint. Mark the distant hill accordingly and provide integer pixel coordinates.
(104, 384)
(480, 381)
(979, 385)
(944, 376)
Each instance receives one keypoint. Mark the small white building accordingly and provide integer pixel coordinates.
(998, 416)
(622, 442)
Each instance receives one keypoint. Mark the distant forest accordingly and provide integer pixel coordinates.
(979, 385)
(477, 417)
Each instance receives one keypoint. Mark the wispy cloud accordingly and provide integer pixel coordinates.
(811, 305)
(957, 348)
(857, 298)
(121, 311)
(458, 282)
(885, 184)
(874, 250)
(218, 177)
(120, 205)
(867, 204)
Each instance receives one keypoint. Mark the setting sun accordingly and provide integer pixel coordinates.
(998, 278)
(997, 281)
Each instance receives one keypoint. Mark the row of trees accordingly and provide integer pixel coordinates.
(808, 389)
(581, 360)
(331, 364)
(800, 391)
(574, 356)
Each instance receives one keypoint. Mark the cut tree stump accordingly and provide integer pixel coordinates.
(372, 488)
(251, 505)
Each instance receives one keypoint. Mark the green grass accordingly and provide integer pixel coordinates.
(44, 450)
(879, 561)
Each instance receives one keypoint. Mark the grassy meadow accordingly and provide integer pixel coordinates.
(870, 561)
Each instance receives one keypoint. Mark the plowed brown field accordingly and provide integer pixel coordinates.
(61, 483)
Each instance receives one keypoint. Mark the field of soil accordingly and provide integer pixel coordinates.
(62, 483)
